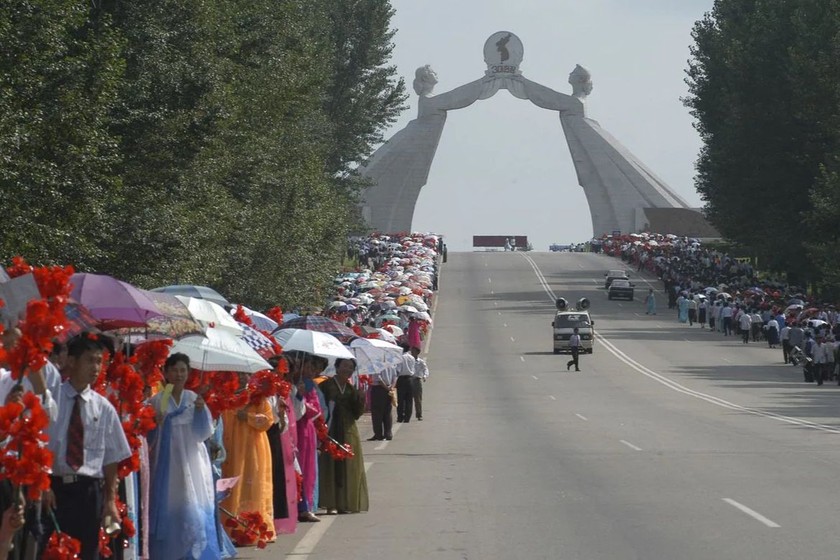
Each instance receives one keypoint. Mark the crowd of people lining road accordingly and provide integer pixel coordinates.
(210, 475)
(713, 290)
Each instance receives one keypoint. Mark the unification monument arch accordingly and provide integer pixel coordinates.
(620, 189)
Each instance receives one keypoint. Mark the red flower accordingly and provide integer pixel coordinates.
(25, 459)
(62, 546)
(266, 383)
(328, 445)
(249, 528)
(275, 314)
(104, 544)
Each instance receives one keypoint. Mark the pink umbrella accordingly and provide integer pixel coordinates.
(115, 304)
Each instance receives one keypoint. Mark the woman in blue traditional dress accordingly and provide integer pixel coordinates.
(650, 300)
(182, 503)
(682, 307)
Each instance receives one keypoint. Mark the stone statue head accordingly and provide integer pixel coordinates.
(581, 81)
(425, 80)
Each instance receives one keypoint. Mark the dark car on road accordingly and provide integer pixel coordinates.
(620, 288)
(611, 275)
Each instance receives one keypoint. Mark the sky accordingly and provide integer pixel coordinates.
(503, 166)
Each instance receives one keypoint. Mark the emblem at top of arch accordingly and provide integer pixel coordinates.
(503, 53)
(425, 80)
(581, 82)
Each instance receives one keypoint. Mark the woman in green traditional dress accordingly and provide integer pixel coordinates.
(342, 483)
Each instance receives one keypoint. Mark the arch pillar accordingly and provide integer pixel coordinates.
(616, 183)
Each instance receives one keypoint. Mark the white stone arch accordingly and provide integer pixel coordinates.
(618, 187)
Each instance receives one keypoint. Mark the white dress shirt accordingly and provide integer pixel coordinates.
(421, 370)
(105, 441)
(407, 366)
(7, 383)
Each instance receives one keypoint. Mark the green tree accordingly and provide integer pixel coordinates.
(760, 89)
(60, 70)
(365, 95)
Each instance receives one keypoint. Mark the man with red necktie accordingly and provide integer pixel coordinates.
(88, 443)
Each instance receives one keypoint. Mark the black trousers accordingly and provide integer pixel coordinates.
(746, 334)
(405, 398)
(79, 512)
(278, 473)
(417, 395)
(380, 411)
(727, 326)
(786, 350)
(574, 360)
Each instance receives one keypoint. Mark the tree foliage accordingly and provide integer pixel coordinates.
(187, 141)
(763, 80)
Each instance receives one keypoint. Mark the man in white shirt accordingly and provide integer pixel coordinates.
(381, 407)
(726, 319)
(574, 346)
(34, 382)
(745, 322)
(88, 443)
(785, 336)
(421, 374)
(405, 396)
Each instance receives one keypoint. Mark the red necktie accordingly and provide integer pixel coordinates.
(76, 437)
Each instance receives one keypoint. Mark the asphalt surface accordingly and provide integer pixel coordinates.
(671, 443)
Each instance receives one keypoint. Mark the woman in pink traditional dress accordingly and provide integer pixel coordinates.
(308, 407)
(414, 339)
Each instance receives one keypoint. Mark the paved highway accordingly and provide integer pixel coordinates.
(671, 443)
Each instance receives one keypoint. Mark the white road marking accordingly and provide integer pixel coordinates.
(725, 360)
(659, 378)
(522, 358)
(582, 417)
(512, 339)
(685, 339)
(535, 378)
(496, 303)
(384, 444)
(636, 314)
(752, 513)
(499, 312)
(504, 324)
(552, 397)
(312, 537)
(492, 293)
(620, 305)
(631, 446)
(316, 532)
(489, 280)
(580, 266)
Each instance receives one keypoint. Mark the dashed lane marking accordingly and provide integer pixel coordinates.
(752, 513)
(631, 446)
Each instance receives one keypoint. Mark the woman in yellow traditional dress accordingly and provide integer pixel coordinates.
(249, 457)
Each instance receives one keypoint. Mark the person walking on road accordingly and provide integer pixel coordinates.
(701, 313)
(574, 345)
(692, 310)
(650, 301)
(745, 322)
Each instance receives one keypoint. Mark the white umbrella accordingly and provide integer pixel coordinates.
(408, 309)
(387, 336)
(374, 355)
(219, 350)
(423, 316)
(211, 315)
(261, 321)
(312, 342)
